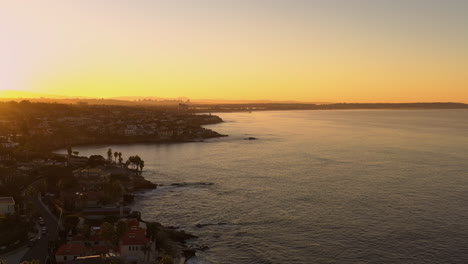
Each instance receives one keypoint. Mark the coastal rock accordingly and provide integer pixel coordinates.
(189, 253)
(182, 184)
(250, 138)
(199, 225)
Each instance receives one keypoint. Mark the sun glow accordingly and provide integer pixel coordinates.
(298, 51)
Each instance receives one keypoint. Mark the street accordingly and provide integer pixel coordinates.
(39, 251)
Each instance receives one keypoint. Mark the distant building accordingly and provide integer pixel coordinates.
(7, 206)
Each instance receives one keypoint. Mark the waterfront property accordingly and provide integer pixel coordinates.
(134, 245)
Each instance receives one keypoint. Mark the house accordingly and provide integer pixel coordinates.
(7, 206)
(69, 252)
(135, 247)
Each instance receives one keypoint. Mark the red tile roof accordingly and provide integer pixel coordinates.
(7, 200)
(133, 222)
(134, 237)
(70, 249)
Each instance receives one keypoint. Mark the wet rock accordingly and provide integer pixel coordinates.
(189, 253)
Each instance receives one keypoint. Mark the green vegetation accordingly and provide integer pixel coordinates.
(14, 232)
(166, 259)
(112, 233)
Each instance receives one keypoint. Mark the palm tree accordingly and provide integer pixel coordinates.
(109, 154)
(115, 156)
(120, 159)
(142, 165)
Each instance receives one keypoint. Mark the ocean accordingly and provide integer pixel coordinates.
(363, 186)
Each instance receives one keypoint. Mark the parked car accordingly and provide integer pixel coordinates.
(44, 230)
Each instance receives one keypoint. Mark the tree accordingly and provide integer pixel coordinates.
(135, 161)
(120, 158)
(113, 191)
(96, 160)
(109, 154)
(115, 156)
(166, 259)
(142, 165)
(69, 150)
(86, 231)
(151, 231)
(108, 232)
(121, 228)
(30, 262)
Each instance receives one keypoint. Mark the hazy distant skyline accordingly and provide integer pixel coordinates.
(330, 50)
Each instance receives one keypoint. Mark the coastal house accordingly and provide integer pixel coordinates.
(69, 252)
(95, 244)
(7, 206)
(134, 246)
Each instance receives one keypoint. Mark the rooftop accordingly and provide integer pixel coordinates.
(134, 237)
(7, 200)
(71, 249)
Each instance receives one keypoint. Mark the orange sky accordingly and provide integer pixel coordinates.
(330, 51)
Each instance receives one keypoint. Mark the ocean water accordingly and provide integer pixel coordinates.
(388, 186)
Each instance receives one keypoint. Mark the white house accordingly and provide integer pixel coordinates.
(135, 247)
(7, 206)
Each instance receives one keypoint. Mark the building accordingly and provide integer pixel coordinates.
(7, 206)
(135, 247)
(69, 252)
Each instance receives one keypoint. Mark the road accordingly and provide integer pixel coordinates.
(40, 250)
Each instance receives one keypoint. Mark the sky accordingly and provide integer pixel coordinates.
(315, 50)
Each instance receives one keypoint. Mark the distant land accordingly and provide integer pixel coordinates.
(11, 95)
(213, 105)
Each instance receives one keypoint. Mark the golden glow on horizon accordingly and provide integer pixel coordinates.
(231, 53)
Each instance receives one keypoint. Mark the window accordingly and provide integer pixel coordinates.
(129, 248)
(64, 257)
